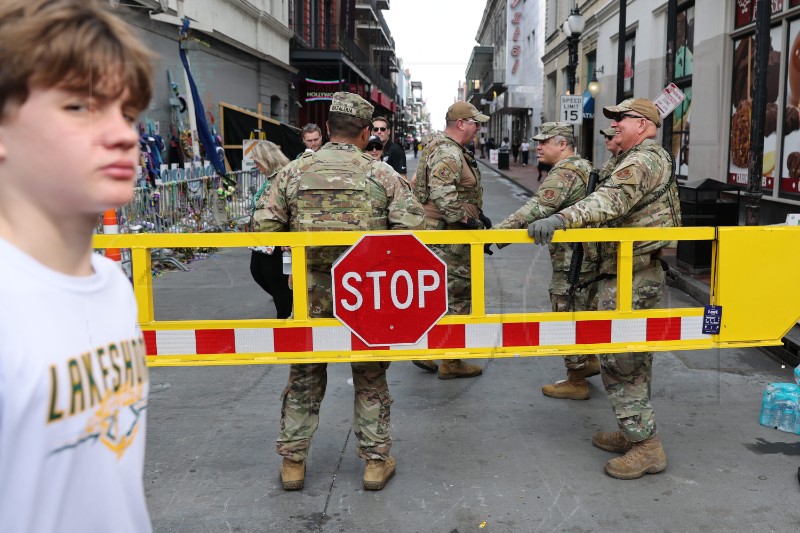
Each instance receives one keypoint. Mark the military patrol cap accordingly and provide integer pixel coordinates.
(551, 129)
(352, 105)
(465, 110)
(609, 132)
(642, 106)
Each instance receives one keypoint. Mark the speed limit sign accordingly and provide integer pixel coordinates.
(572, 109)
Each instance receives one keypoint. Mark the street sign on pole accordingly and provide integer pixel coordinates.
(389, 289)
(572, 109)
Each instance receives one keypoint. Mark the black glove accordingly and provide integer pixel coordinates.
(473, 223)
(486, 222)
(542, 231)
(487, 249)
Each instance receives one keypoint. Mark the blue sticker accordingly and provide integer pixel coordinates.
(712, 319)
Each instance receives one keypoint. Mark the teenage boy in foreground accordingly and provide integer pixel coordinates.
(73, 380)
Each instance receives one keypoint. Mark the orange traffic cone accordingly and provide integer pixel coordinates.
(110, 227)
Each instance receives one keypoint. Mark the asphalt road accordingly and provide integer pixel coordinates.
(483, 454)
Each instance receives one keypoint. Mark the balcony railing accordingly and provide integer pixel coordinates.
(329, 37)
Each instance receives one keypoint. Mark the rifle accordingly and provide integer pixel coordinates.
(577, 247)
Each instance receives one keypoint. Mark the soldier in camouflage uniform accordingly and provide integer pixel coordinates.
(609, 135)
(448, 185)
(640, 192)
(338, 188)
(565, 184)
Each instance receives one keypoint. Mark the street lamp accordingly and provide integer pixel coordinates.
(594, 85)
(572, 28)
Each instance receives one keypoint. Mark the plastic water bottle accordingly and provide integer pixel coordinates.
(797, 375)
(287, 262)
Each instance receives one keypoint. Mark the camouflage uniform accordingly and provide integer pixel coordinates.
(640, 192)
(449, 187)
(338, 188)
(564, 185)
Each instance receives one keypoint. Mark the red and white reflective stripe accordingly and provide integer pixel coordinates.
(455, 336)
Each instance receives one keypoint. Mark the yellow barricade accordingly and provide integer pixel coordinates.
(754, 279)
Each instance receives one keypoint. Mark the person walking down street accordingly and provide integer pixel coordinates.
(640, 192)
(565, 185)
(448, 184)
(393, 153)
(416, 147)
(374, 147)
(515, 150)
(338, 188)
(266, 266)
(524, 150)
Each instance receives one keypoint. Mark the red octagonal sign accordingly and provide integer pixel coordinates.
(389, 289)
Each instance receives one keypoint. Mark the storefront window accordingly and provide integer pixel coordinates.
(790, 169)
(741, 104)
(746, 10)
(630, 65)
(684, 53)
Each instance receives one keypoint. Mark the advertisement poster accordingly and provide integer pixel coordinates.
(630, 61)
(684, 68)
(741, 107)
(790, 171)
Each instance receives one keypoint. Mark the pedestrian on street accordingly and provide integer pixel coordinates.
(73, 376)
(640, 192)
(374, 148)
(515, 150)
(266, 266)
(311, 136)
(448, 184)
(565, 185)
(393, 153)
(338, 188)
(416, 147)
(524, 150)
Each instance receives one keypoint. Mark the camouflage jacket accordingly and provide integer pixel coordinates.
(607, 169)
(640, 192)
(338, 188)
(449, 178)
(564, 185)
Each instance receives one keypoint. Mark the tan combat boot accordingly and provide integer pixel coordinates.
(592, 367)
(575, 387)
(378, 472)
(293, 474)
(430, 366)
(646, 457)
(611, 442)
(456, 368)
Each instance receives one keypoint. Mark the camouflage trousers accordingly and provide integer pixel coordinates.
(301, 399)
(459, 282)
(627, 376)
(583, 300)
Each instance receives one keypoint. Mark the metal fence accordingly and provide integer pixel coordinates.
(192, 201)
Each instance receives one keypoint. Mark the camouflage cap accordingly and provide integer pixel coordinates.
(465, 110)
(642, 106)
(609, 132)
(551, 129)
(352, 105)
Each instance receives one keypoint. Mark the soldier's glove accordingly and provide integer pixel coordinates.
(542, 231)
(473, 223)
(487, 223)
(487, 249)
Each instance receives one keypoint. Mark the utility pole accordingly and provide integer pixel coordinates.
(758, 112)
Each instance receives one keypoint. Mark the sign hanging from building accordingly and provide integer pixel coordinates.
(514, 42)
(320, 90)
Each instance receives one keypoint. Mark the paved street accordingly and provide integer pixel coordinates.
(487, 450)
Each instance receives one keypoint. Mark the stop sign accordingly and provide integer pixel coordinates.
(389, 289)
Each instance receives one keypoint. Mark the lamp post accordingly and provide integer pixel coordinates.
(572, 28)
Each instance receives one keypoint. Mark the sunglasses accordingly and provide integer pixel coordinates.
(619, 117)
(379, 129)
(372, 147)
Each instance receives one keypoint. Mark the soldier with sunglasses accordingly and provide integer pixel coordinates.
(640, 192)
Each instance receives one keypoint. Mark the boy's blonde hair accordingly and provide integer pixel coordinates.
(75, 45)
(269, 156)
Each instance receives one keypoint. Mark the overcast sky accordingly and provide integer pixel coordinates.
(434, 38)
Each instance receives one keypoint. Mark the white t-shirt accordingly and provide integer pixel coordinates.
(73, 399)
(525, 146)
